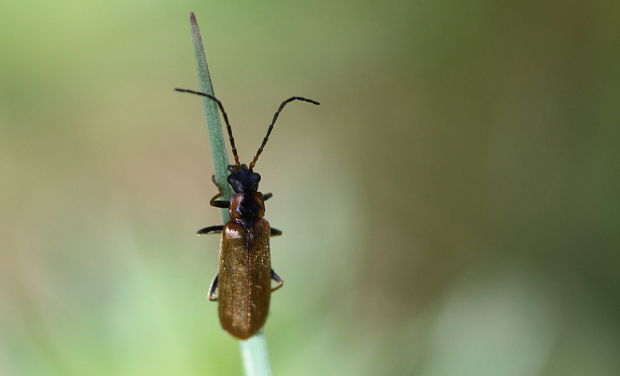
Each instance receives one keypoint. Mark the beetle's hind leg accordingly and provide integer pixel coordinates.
(279, 281)
(211, 230)
(214, 201)
(267, 196)
(275, 232)
(213, 288)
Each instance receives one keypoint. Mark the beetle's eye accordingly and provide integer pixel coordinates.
(255, 177)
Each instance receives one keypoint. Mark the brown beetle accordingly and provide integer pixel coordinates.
(243, 283)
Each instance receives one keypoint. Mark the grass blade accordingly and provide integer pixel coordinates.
(216, 137)
(253, 350)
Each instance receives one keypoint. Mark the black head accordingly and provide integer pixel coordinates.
(242, 179)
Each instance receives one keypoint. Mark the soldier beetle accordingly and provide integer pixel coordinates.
(243, 283)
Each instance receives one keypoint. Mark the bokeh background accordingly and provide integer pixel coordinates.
(450, 209)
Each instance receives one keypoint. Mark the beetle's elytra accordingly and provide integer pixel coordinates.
(243, 283)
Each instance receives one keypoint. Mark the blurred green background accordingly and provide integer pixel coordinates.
(450, 209)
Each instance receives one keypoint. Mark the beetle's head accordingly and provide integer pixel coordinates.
(242, 179)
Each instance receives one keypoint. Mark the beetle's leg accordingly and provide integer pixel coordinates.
(213, 287)
(211, 230)
(214, 201)
(275, 232)
(267, 196)
(278, 280)
(219, 203)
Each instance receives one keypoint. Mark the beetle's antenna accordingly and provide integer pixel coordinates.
(273, 121)
(228, 127)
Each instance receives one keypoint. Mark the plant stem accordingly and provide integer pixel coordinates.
(253, 350)
(255, 356)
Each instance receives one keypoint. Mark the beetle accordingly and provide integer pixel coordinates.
(243, 283)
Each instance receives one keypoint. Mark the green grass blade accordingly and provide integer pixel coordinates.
(254, 350)
(216, 137)
(255, 357)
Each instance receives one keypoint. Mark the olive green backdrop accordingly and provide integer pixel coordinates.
(450, 209)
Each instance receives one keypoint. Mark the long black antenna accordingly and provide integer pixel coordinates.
(228, 127)
(273, 121)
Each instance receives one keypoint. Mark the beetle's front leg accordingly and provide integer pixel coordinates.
(214, 201)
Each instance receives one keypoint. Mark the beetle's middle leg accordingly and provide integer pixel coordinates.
(213, 288)
(211, 230)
